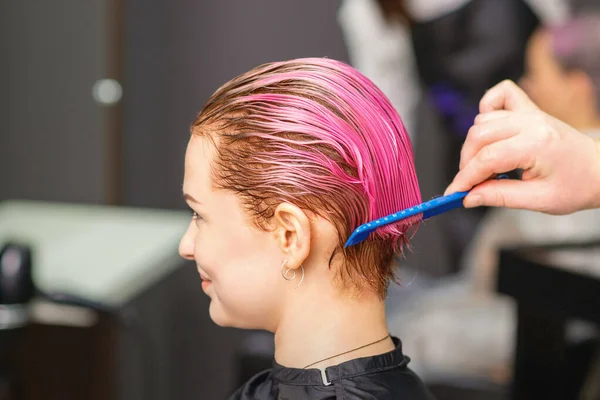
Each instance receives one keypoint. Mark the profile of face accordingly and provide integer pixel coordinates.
(276, 193)
(562, 93)
(237, 261)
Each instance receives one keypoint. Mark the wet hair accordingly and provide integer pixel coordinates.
(316, 133)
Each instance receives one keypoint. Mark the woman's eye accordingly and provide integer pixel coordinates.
(195, 215)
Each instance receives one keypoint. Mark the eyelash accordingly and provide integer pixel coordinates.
(195, 215)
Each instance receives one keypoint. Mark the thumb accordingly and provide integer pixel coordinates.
(509, 193)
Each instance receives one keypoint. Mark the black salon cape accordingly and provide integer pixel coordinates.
(382, 377)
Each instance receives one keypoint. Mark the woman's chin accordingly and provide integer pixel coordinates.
(223, 319)
(218, 316)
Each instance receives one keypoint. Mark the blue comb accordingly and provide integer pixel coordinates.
(429, 209)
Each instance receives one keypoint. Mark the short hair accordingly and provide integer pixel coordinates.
(318, 134)
(576, 46)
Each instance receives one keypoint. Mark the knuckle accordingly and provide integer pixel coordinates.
(487, 155)
(537, 128)
(499, 199)
(474, 134)
(507, 83)
(479, 119)
(540, 119)
(464, 153)
(545, 134)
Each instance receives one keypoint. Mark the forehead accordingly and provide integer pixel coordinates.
(198, 158)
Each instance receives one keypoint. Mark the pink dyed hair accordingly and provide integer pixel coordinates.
(316, 133)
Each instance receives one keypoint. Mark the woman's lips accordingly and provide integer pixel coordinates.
(204, 277)
(205, 281)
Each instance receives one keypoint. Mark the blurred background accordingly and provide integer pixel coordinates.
(96, 99)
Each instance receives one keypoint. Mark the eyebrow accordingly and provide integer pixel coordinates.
(188, 197)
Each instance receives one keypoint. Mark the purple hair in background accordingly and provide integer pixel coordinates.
(576, 45)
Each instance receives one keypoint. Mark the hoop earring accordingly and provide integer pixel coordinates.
(290, 274)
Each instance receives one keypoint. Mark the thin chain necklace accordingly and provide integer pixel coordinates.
(349, 351)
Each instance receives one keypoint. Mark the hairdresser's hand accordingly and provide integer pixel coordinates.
(561, 165)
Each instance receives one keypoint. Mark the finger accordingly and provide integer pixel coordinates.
(496, 158)
(492, 115)
(526, 195)
(455, 185)
(505, 96)
(483, 134)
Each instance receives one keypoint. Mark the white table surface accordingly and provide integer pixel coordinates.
(102, 253)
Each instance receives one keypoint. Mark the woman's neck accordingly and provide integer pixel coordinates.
(319, 323)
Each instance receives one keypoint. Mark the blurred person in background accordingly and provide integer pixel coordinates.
(465, 316)
(380, 47)
(380, 44)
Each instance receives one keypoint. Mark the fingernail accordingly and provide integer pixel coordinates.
(474, 200)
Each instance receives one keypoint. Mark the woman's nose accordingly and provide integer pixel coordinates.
(186, 245)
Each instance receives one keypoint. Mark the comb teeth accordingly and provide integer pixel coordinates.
(357, 237)
(426, 210)
(362, 232)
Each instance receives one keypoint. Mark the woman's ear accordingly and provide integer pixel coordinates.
(292, 230)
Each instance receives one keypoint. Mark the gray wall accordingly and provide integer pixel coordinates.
(178, 54)
(52, 134)
(54, 137)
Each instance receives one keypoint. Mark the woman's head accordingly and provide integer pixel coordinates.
(287, 160)
(563, 70)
